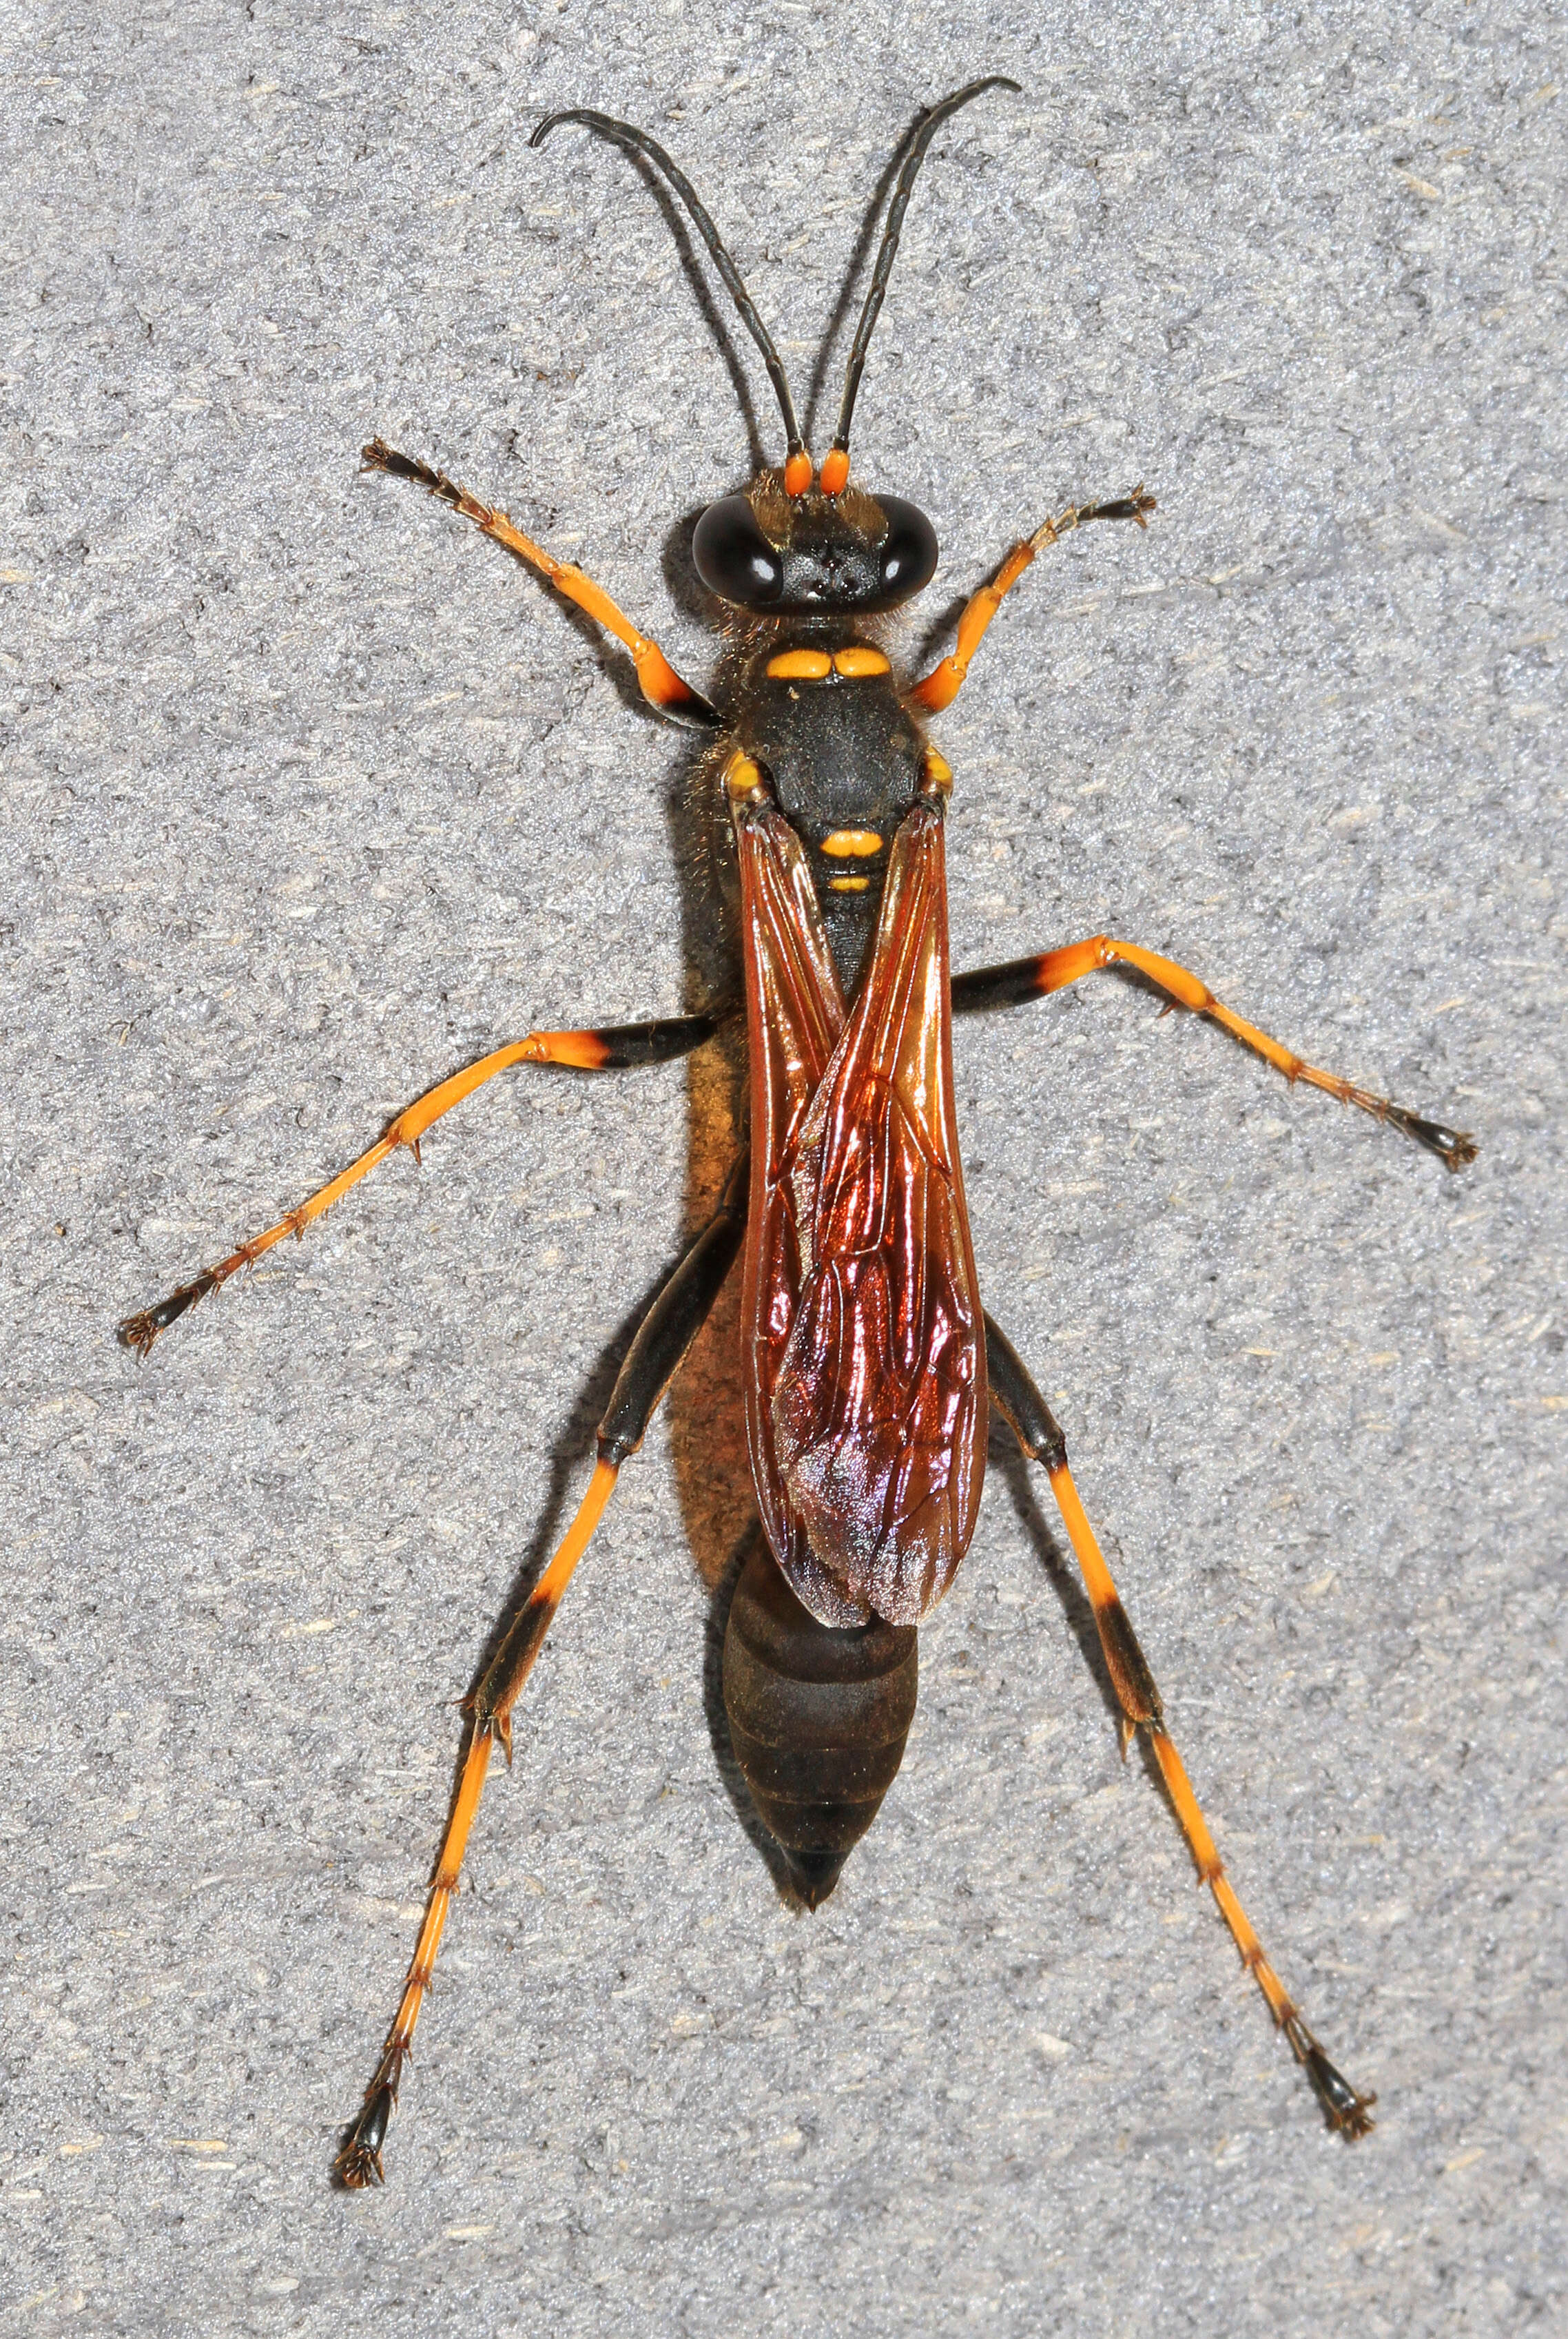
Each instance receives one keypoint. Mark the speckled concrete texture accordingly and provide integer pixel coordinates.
(311, 797)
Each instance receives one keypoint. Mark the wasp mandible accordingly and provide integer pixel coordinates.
(870, 1364)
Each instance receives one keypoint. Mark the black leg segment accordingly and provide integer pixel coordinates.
(673, 1322)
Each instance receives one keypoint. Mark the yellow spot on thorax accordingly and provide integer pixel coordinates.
(848, 884)
(742, 778)
(859, 659)
(852, 844)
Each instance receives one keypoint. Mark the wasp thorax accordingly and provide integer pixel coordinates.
(818, 1718)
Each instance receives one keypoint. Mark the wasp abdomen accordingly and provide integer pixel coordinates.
(818, 1718)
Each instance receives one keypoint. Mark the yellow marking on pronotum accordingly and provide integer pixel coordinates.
(800, 665)
(937, 770)
(848, 884)
(852, 844)
(859, 659)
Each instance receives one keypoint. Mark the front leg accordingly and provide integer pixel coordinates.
(1022, 979)
(943, 683)
(662, 686)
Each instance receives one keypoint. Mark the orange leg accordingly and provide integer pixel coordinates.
(1347, 2110)
(614, 1049)
(662, 686)
(1037, 1431)
(669, 1327)
(359, 2162)
(1029, 978)
(943, 683)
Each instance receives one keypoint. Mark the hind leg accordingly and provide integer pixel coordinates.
(1038, 1432)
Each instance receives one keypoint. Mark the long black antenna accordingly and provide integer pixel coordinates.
(638, 142)
(835, 471)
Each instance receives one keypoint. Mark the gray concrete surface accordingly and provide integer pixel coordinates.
(310, 797)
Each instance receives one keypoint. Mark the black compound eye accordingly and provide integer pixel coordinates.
(907, 555)
(734, 557)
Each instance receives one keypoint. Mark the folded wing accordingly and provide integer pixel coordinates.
(866, 1397)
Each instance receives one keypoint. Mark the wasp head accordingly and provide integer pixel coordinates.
(781, 555)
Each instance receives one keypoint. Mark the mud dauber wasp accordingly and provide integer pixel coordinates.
(870, 1364)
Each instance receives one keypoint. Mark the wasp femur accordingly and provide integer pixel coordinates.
(818, 1718)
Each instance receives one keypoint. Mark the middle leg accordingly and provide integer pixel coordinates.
(1021, 979)
(616, 1048)
(1038, 1432)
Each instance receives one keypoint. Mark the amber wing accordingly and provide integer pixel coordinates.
(865, 1388)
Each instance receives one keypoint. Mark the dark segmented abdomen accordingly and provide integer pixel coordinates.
(818, 1718)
